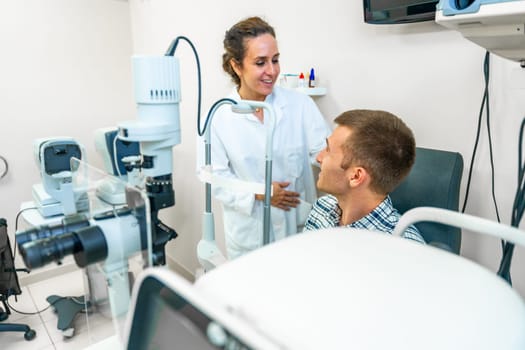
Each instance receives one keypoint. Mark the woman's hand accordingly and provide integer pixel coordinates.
(282, 198)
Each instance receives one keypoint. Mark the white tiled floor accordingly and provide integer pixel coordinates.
(88, 330)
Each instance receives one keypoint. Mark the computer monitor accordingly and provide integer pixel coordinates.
(168, 313)
(399, 11)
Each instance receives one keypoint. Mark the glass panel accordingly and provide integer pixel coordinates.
(108, 234)
(120, 245)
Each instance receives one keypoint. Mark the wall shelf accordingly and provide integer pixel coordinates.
(317, 91)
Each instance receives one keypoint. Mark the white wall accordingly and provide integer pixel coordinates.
(64, 71)
(430, 76)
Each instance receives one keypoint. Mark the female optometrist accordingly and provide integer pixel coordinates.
(251, 58)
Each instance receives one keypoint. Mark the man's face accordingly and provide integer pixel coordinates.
(333, 178)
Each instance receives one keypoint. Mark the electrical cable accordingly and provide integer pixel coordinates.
(484, 105)
(16, 226)
(15, 269)
(6, 167)
(79, 302)
(210, 113)
(518, 208)
(486, 69)
(478, 132)
(507, 248)
(171, 52)
(35, 312)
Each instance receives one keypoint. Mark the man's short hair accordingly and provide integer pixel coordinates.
(381, 143)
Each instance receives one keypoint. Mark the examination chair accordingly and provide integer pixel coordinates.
(434, 181)
(9, 285)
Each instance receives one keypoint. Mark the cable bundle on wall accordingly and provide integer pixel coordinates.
(484, 105)
(518, 208)
(519, 200)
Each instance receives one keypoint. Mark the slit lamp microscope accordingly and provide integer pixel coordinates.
(111, 237)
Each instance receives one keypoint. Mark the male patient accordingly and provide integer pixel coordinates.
(365, 158)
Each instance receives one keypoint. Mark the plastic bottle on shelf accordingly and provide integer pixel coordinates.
(301, 81)
(311, 80)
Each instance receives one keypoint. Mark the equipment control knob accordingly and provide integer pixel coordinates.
(216, 334)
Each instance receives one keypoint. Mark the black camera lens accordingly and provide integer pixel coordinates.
(44, 251)
(87, 245)
(68, 224)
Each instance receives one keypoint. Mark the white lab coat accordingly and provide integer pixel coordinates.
(238, 151)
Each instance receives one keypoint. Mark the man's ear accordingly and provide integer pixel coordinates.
(357, 176)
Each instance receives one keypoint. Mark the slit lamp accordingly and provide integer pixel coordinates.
(208, 253)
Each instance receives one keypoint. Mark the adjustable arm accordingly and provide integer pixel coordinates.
(452, 218)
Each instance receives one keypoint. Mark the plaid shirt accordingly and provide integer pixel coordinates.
(384, 218)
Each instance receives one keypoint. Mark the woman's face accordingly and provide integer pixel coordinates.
(260, 68)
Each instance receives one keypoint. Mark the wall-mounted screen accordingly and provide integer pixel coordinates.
(399, 11)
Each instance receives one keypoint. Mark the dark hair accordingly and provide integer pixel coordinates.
(235, 39)
(381, 143)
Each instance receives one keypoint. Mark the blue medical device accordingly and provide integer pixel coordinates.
(496, 25)
(458, 7)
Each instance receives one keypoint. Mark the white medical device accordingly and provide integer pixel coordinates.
(56, 195)
(208, 252)
(168, 313)
(112, 237)
(496, 25)
(343, 288)
(121, 160)
(157, 129)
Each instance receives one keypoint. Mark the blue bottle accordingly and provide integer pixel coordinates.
(311, 79)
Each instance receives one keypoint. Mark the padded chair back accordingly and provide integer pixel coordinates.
(434, 181)
(9, 285)
(8, 278)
